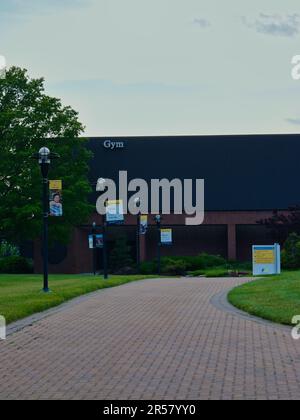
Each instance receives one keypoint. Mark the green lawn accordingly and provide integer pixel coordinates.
(21, 295)
(273, 298)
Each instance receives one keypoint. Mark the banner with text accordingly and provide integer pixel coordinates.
(56, 207)
(166, 236)
(114, 212)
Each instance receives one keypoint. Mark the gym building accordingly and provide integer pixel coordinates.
(246, 177)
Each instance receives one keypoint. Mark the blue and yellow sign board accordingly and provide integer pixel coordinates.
(266, 260)
(114, 212)
(166, 236)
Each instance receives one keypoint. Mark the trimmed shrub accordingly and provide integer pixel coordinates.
(208, 261)
(216, 273)
(15, 265)
(181, 265)
(196, 273)
(148, 267)
(199, 262)
(174, 268)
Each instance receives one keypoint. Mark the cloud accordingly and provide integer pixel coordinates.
(112, 88)
(294, 121)
(203, 23)
(276, 25)
(25, 7)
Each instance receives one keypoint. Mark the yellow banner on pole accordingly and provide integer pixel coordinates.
(55, 185)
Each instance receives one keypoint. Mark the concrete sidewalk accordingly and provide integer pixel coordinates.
(154, 339)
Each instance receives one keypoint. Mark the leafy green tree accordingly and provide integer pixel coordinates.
(8, 250)
(30, 119)
(121, 255)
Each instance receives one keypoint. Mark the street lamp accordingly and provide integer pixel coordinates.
(100, 186)
(94, 226)
(157, 220)
(44, 157)
(137, 202)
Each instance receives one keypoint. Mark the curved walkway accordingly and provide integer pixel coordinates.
(154, 339)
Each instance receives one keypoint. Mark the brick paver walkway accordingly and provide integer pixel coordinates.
(155, 339)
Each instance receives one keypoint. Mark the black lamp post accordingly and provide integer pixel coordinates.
(101, 184)
(105, 262)
(138, 235)
(44, 159)
(157, 219)
(94, 247)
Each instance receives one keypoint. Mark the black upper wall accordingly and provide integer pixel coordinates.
(255, 172)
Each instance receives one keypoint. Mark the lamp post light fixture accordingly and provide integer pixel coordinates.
(100, 186)
(44, 157)
(137, 202)
(158, 220)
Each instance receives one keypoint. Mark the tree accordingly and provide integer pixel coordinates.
(282, 224)
(29, 119)
(120, 257)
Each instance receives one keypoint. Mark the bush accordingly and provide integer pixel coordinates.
(216, 273)
(148, 267)
(208, 261)
(291, 253)
(199, 262)
(174, 268)
(181, 265)
(15, 265)
(196, 273)
(239, 266)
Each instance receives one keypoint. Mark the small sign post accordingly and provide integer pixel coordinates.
(266, 260)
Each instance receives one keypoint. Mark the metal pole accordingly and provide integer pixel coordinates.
(45, 231)
(138, 243)
(94, 248)
(158, 249)
(105, 268)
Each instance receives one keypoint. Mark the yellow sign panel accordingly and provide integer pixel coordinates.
(144, 218)
(114, 202)
(264, 256)
(55, 185)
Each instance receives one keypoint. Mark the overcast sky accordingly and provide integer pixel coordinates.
(150, 67)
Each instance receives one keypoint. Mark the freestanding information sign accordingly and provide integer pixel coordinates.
(266, 260)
